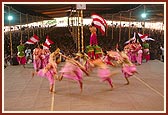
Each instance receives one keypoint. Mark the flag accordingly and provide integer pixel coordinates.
(33, 39)
(47, 43)
(145, 37)
(46, 46)
(99, 22)
(150, 39)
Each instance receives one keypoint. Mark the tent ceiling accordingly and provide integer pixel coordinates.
(50, 11)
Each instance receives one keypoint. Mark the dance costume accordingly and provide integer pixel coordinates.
(37, 58)
(48, 72)
(128, 69)
(21, 55)
(71, 71)
(146, 52)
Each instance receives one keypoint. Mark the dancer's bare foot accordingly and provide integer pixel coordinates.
(32, 74)
(60, 77)
(127, 83)
(51, 88)
(53, 92)
(112, 86)
(81, 86)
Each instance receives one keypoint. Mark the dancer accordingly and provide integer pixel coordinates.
(111, 56)
(83, 59)
(139, 53)
(128, 68)
(21, 54)
(86, 63)
(146, 52)
(45, 54)
(93, 36)
(93, 50)
(104, 71)
(107, 59)
(73, 70)
(93, 42)
(50, 70)
(37, 57)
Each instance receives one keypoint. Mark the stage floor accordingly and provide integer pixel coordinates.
(145, 92)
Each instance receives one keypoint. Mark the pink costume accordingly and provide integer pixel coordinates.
(103, 71)
(133, 52)
(90, 48)
(36, 59)
(139, 55)
(72, 71)
(107, 60)
(50, 69)
(147, 54)
(48, 74)
(45, 58)
(128, 70)
(22, 60)
(104, 74)
(93, 39)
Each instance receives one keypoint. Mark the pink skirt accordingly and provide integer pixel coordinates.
(22, 60)
(128, 70)
(44, 61)
(37, 64)
(104, 73)
(49, 75)
(72, 72)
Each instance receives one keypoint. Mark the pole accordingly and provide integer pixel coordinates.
(27, 21)
(40, 29)
(10, 34)
(82, 31)
(76, 30)
(37, 29)
(120, 29)
(144, 20)
(129, 25)
(33, 24)
(78, 34)
(43, 26)
(20, 28)
(112, 28)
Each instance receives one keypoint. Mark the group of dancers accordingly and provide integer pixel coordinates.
(75, 67)
(137, 52)
(45, 63)
(82, 64)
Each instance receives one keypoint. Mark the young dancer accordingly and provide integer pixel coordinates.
(139, 53)
(37, 52)
(128, 68)
(103, 71)
(21, 58)
(73, 70)
(50, 70)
